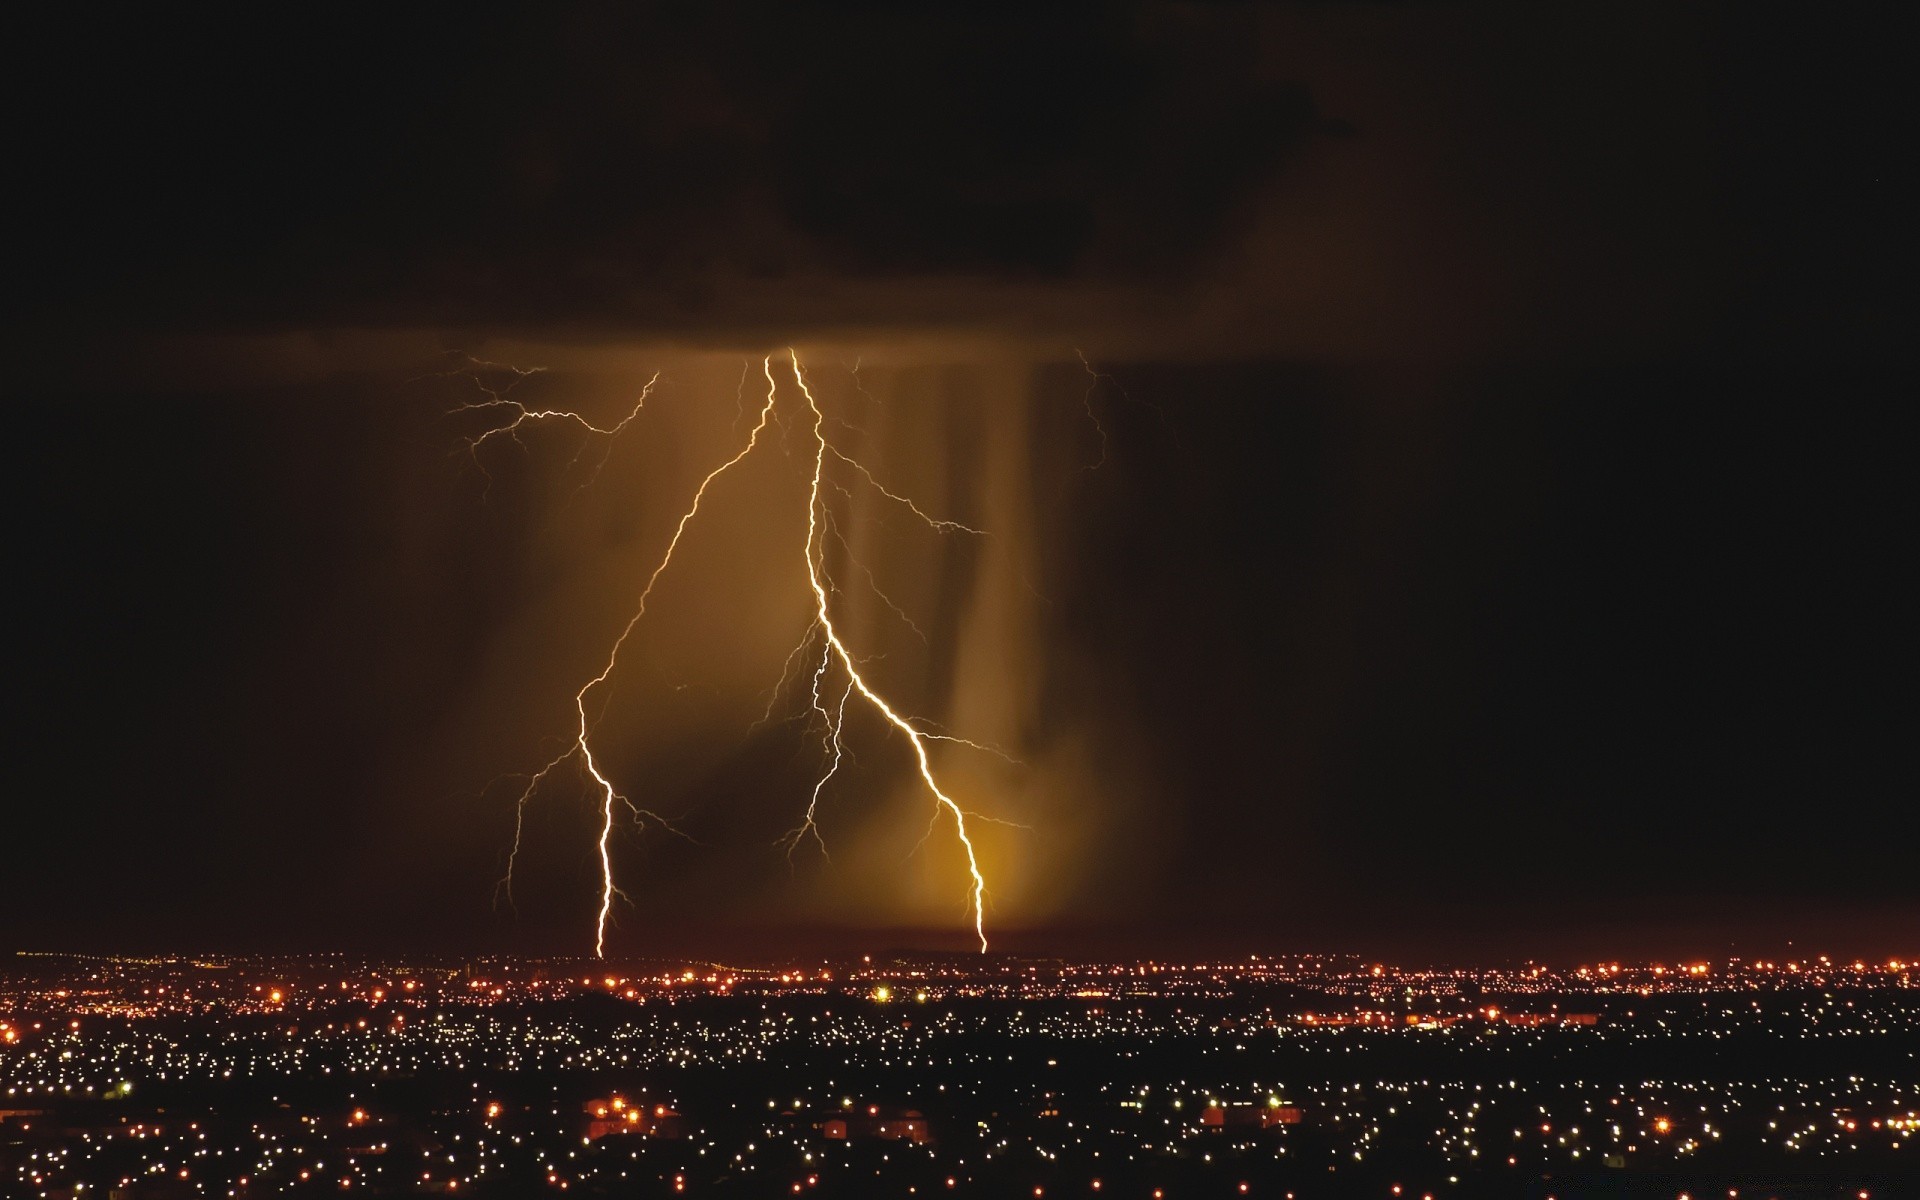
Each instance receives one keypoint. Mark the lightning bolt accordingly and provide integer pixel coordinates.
(838, 649)
(834, 652)
(581, 746)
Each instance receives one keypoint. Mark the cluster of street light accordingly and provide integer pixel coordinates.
(259, 1077)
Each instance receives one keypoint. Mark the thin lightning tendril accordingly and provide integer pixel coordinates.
(1087, 402)
(836, 721)
(523, 414)
(497, 398)
(797, 654)
(861, 387)
(935, 522)
(874, 584)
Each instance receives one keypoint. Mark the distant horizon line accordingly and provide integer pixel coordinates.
(881, 956)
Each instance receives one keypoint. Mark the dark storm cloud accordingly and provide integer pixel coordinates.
(1183, 182)
(631, 167)
(1494, 565)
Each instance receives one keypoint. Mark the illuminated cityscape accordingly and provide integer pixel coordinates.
(1304, 1076)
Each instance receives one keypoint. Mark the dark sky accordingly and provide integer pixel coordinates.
(1499, 547)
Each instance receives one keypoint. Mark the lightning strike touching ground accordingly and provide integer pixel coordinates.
(608, 794)
(835, 657)
(917, 739)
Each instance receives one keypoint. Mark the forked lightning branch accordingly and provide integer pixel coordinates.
(836, 678)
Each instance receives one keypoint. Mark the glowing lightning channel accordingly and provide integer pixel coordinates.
(609, 795)
(839, 651)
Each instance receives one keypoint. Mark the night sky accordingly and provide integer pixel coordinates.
(1497, 543)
